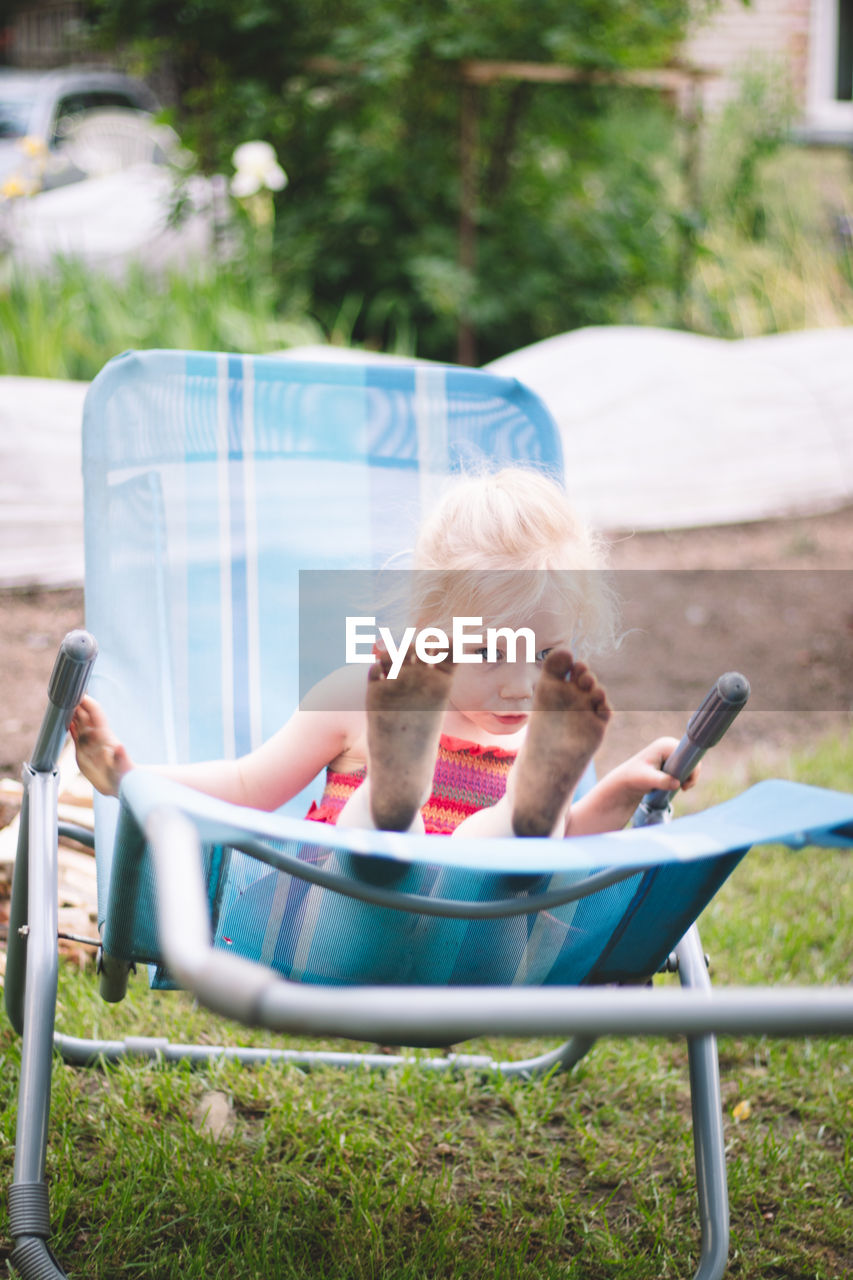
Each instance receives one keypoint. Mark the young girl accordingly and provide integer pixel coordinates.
(494, 743)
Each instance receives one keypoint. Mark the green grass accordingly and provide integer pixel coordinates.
(413, 1176)
(69, 324)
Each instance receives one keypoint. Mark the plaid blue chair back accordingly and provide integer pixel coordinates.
(212, 480)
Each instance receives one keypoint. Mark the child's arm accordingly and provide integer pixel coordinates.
(612, 801)
(263, 779)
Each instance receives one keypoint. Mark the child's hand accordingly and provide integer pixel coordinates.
(644, 771)
(612, 801)
(100, 756)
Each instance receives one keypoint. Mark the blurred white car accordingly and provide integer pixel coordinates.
(87, 172)
(40, 111)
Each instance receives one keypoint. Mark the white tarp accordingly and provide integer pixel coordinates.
(41, 485)
(663, 429)
(660, 430)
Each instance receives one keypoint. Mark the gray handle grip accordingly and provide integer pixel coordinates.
(66, 687)
(723, 702)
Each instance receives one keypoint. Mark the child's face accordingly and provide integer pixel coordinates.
(497, 696)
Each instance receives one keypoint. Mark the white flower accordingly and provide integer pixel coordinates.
(257, 167)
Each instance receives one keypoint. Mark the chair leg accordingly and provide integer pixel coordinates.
(564, 1058)
(708, 1141)
(29, 1215)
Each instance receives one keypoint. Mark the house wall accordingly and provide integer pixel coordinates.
(801, 34)
(734, 36)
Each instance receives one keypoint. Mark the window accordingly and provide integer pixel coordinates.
(844, 58)
(829, 116)
(14, 115)
(73, 105)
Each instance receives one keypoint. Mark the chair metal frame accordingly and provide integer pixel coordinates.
(250, 993)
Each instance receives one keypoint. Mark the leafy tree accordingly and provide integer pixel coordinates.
(361, 99)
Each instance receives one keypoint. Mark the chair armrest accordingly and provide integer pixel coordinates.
(68, 682)
(241, 989)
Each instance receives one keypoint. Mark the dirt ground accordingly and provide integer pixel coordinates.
(772, 599)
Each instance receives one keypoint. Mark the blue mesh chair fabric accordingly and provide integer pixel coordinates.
(621, 933)
(211, 482)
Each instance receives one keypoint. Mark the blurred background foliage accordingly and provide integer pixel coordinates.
(595, 203)
(579, 198)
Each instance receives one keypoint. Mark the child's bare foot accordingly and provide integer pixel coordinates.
(570, 715)
(404, 718)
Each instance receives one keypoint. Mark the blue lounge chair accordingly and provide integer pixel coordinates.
(211, 481)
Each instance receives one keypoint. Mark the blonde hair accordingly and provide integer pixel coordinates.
(500, 544)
